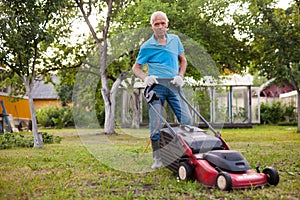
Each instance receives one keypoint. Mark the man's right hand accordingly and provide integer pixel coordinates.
(150, 80)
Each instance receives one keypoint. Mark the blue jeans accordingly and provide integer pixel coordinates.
(166, 91)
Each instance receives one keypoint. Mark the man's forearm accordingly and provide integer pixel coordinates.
(182, 65)
(138, 71)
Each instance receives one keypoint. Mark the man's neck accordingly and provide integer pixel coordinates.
(161, 39)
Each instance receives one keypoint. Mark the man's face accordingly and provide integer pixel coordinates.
(159, 26)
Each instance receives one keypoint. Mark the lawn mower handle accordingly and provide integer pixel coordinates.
(217, 133)
(150, 96)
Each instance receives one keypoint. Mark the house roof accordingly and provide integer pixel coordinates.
(270, 89)
(42, 90)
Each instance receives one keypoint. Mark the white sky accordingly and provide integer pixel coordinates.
(284, 3)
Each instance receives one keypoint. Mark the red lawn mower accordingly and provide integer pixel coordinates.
(196, 154)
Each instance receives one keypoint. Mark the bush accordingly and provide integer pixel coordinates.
(271, 113)
(11, 140)
(50, 139)
(290, 123)
(55, 117)
(275, 113)
(290, 113)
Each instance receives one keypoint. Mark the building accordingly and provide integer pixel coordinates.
(44, 94)
(15, 111)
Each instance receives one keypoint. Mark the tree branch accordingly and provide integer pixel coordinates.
(293, 81)
(62, 68)
(108, 18)
(34, 59)
(118, 82)
(86, 19)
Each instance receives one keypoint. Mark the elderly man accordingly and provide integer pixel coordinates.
(164, 55)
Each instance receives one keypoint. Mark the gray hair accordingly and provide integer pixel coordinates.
(157, 13)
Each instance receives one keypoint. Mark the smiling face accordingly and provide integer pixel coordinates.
(159, 26)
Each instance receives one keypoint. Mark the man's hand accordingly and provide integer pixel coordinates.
(150, 80)
(177, 81)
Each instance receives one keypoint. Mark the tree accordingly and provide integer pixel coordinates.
(210, 24)
(28, 29)
(65, 85)
(110, 8)
(275, 46)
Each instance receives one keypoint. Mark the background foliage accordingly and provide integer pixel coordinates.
(276, 112)
(55, 117)
(16, 140)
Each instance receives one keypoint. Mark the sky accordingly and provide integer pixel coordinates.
(283, 3)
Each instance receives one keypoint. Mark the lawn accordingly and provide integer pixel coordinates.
(77, 169)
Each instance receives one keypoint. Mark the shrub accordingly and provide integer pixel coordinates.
(275, 113)
(267, 115)
(55, 117)
(289, 123)
(46, 115)
(290, 113)
(11, 140)
(50, 139)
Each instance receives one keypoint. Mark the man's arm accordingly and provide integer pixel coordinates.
(182, 64)
(138, 71)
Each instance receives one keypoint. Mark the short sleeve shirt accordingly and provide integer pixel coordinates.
(162, 60)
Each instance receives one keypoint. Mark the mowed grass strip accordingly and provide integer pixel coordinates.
(69, 171)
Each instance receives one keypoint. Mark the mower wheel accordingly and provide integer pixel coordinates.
(223, 181)
(185, 171)
(272, 175)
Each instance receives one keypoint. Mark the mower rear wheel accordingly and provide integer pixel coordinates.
(223, 181)
(272, 175)
(185, 171)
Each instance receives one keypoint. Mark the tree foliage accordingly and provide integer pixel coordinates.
(31, 35)
(275, 45)
(203, 21)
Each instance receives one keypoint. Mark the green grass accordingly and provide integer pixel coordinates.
(71, 170)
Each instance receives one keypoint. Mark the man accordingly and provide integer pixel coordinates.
(164, 55)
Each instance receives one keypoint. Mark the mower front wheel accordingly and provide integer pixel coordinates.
(224, 181)
(272, 175)
(185, 171)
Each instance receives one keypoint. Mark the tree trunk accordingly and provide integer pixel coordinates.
(136, 110)
(109, 101)
(37, 138)
(298, 109)
(109, 105)
(107, 94)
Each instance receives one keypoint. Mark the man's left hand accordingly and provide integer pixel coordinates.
(177, 81)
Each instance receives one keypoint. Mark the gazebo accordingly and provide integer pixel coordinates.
(225, 102)
(230, 101)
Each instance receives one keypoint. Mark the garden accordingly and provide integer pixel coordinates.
(43, 38)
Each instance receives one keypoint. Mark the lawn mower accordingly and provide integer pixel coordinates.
(197, 154)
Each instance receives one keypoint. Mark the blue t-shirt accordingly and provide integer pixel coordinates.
(162, 60)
